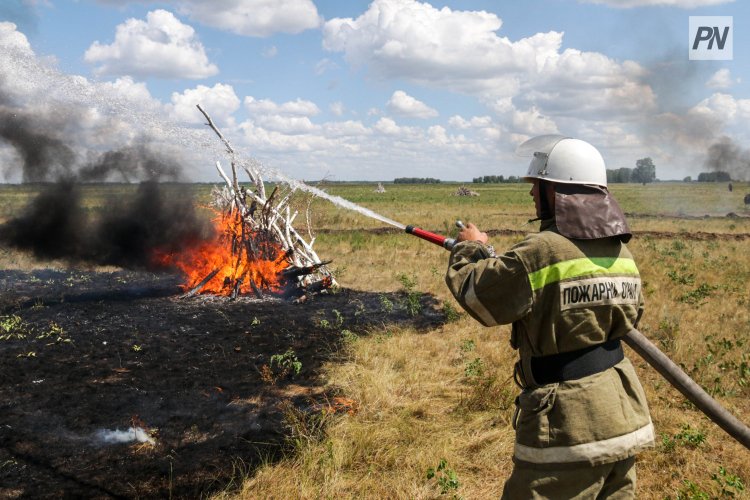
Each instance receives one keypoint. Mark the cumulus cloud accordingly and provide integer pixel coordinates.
(463, 52)
(532, 122)
(722, 79)
(259, 18)
(12, 39)
(219, 101)
(403, 104)
(161, 46)
(685, 4)
(288, 118)
(298, 107)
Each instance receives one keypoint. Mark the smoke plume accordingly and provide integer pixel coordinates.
(131, 232)
(726, 156)
(133, 227)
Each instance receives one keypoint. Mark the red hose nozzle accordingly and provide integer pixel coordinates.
(437, 239)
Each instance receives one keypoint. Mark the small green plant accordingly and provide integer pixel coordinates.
(447, 479)
(409, 283)
(348, 336)
(730, 484)
(385, 304)
(255, 321)
(691, 491)
(474, 368)
(339, 318)
(450, 312)
(12, 328)
(682, 279)
(137, 348)
(55, 332)
(287, 363)
(689, 437)
(324, 323)
(697, 296)
(468, 345)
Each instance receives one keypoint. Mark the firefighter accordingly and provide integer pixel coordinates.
(570, 292)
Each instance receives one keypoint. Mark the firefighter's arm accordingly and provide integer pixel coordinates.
(493, 290)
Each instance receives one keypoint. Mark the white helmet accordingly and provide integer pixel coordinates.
(557, 158)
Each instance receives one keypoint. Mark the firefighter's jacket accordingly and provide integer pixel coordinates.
(562, 295)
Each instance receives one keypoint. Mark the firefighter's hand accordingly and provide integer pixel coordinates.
(472, 233)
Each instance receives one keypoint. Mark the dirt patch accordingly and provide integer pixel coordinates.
(85, 354)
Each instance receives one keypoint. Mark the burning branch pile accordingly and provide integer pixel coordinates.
(257, 249)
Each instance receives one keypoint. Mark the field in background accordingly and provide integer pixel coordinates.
(443, 401)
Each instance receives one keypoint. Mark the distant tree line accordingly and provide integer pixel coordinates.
(495, 179)
(643, 173)
(416, 180)
(717, 176)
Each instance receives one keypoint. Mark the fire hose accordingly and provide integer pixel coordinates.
(659, 361)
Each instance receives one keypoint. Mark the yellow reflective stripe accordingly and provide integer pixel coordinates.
(581, 267)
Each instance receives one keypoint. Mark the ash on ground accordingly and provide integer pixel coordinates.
(82, 351)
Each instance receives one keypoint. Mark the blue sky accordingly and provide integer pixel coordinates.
(375, 90)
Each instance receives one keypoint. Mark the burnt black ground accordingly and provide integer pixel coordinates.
(104, 350)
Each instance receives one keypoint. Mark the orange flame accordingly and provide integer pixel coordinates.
(230, 254)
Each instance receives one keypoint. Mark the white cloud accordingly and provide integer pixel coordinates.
(721, 80)
(722, 108)
(403, 104)
(219, 101)
(269, 52)
(161, 46)
(347, 128)
(260, 18)
(462, 51)
(11, 38)
(387, 126)
(298, 107)
(685, 4)
(290, 125)
(532, 122)
(337, 108)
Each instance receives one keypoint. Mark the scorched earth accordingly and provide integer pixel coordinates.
(113, 386)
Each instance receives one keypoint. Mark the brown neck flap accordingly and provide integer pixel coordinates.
(589, 213)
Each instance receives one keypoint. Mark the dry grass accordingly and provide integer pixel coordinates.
(418, 405)
(423, 397)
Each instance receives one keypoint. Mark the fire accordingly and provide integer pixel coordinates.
(234, 259)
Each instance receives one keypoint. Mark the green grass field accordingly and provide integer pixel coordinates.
(448, 394)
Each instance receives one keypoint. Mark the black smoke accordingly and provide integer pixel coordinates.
(43, 154)
(725, 155)
(131, 232)
(147, 217)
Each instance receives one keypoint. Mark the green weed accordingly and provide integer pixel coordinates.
(409, 284)
(697, 296)
(447, 479)
(385, 304)
(13, 328)
(474, 368)
(287, 363)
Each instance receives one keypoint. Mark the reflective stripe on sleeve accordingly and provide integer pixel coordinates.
(585, 452)
(473, 303)
(581, 267)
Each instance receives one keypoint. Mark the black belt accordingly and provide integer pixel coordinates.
(576, 364)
